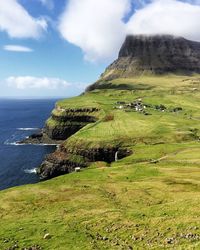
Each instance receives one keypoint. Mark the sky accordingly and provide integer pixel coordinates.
(55, 48)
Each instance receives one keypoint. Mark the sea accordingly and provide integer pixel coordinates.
(20, 118)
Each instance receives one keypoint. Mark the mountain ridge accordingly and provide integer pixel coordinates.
(155, 54)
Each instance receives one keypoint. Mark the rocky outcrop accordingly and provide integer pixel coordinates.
(62, 124)
(65, 160)
(63, 131)
(154, 54)
(40, 138)
(66, 122)
(107, 153)
(57, 164)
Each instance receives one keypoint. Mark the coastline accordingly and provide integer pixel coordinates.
(40, 138)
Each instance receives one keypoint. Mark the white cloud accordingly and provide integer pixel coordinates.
(96, 26)
(17, 48)
(30, 82)
(18, 23)
(167, 17)
(48, 3)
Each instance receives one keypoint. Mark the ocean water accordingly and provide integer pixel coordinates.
(19, 119)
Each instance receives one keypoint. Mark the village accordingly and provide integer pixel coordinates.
(143, 108)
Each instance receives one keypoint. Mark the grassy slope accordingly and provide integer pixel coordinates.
(132, 126)
(131, 203)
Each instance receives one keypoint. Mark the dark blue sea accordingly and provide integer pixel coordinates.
(19, 119)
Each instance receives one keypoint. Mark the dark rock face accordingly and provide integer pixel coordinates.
(40, 138)
(75, 118)
(106, 154)
(63, 132)
(67, 124)
(36, 136)
(57, 164)
(61, 162)
(71, 121)
(155, 54)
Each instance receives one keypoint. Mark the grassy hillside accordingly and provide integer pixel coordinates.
(129, 126)
(148, 200)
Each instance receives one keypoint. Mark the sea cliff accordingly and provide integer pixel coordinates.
(148, 81)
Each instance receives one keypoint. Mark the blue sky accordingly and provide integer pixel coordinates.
(58, 47)
(52, 57)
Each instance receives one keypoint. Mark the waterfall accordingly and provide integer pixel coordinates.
(116, 156)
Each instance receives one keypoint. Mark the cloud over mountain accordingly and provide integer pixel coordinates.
(98, 27)
(167, 17)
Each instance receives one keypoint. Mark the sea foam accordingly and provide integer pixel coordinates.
(27, 129)
(30, 171)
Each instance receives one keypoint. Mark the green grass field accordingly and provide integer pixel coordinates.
(135, 127)
(148, 200)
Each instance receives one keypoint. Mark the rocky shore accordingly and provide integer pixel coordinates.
(40, 138)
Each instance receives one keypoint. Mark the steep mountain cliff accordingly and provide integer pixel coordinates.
(153, 55)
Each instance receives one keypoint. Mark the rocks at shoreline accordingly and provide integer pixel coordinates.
(40, 138)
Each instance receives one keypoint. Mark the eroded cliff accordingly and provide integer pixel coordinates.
(65, 122)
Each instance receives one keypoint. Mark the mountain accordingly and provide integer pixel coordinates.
(158, 54)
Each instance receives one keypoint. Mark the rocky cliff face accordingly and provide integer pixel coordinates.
(66, 122)
(62, 124)
(155, 54)
(65, 160)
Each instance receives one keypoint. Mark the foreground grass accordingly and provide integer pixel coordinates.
(131, 204)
